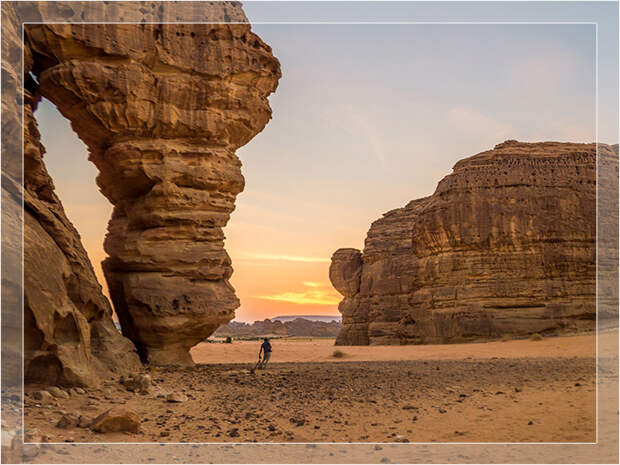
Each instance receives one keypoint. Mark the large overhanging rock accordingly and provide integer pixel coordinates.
(162, 109)
(69, 336)
(505, 245)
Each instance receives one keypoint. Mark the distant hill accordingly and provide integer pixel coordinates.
(323, 318)
(298, 326)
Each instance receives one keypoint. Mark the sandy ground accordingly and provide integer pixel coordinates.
(515, 391)
(321, 350)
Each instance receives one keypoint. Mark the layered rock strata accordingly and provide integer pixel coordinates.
(505, 245)
(69, 336)
(12, 217)
(162, 109)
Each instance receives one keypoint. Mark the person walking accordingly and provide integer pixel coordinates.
(265, 351)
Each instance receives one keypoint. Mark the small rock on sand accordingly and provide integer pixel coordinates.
(43, 397)
(57, 392)
(116, 419)
(68, 420)
(140, 383)
(176, 397)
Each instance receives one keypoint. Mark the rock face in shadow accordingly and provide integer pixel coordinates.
(162, 109)
(505, 245)
(69, 336)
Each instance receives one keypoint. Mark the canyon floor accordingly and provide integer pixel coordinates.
(514, 391)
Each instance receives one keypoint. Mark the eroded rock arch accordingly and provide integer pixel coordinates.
(162, 109)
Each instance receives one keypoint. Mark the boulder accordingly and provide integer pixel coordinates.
(117, 419)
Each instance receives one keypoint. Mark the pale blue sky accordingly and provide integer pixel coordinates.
(368, 117)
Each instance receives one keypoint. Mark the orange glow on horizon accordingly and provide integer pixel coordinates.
(276, 292)
(319, 294)
(285, 258)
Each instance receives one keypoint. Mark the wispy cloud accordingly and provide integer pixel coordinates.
(304, 298)
(318, 294)
(311, 284)
(285, 258)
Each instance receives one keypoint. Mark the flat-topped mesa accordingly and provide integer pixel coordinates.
(505, 245)
(162, 109)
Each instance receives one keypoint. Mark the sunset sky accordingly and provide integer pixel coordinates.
(366, 118)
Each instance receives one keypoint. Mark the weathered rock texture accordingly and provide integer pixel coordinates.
(12, 218)
(162, 109)
(69, 336)
(505, 245)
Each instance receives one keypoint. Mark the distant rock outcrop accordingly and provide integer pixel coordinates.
(162, 109)
(300, 327)
(505, 245)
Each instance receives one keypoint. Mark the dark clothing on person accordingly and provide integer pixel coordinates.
(266, 346)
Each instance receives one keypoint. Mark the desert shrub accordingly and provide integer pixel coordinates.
(228, 340)
(506, 338)
(338, 354)
(536, 337)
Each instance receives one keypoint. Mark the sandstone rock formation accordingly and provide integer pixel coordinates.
(69, 337)
(162, 109)
(505, 245)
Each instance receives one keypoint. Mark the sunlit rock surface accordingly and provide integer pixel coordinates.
(505, 245)
(162, 109)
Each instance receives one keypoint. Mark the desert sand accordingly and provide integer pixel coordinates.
(321, 350)
(514, 391)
